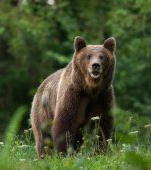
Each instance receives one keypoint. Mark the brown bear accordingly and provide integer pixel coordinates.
(67, 100)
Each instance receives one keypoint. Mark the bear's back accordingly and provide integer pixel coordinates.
(45, 97)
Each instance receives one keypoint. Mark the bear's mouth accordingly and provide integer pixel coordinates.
(95, 74)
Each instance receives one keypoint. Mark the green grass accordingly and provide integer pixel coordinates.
(120, 157)
(130, 150)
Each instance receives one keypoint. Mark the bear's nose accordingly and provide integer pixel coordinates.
(95, 66)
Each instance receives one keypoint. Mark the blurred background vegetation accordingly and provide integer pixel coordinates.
(36, 39)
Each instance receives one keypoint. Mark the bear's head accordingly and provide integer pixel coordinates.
(95, 63)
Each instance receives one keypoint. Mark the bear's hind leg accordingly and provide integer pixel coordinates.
(39, 142)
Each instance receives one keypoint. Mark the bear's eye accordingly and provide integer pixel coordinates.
(89, 56)
(103, 58)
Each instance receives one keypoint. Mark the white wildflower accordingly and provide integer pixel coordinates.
(95, 118)
(148, 126)
(97, 136)
(23, 146)
(109, 140)
(1, 143)
(134, 133)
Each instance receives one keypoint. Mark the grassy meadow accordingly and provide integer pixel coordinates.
(129, 149)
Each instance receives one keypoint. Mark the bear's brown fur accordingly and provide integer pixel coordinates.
(68, 99)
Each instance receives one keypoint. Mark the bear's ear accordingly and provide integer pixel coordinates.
(79, 43)
(110, 44)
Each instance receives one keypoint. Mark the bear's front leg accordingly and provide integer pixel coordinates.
(65, 121)
(102, 107)
(107, 119)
